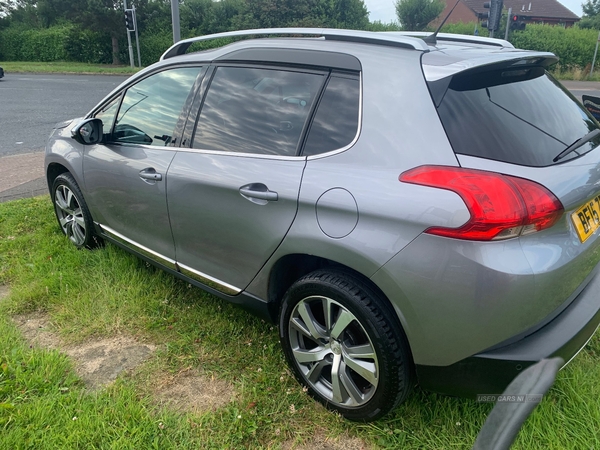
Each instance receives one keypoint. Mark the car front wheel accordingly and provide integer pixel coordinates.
(72, 212)
(344, 344)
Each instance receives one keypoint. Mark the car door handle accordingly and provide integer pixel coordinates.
(150, 174)
(258, 191)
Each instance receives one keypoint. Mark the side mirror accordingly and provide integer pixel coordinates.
(592, 104)
(88, 132)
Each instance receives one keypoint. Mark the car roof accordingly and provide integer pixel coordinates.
(451, 53)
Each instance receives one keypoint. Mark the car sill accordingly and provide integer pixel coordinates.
(171, 264)
(208, 280)
(151, 254)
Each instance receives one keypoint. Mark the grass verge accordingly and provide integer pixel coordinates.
(106, 292)
(65, 67)
(558, 72)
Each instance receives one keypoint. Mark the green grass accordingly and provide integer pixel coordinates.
(101, 293)
(65, 67)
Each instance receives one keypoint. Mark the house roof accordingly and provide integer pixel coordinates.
(538, 9)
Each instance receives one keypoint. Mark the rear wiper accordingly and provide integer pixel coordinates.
(578, 143)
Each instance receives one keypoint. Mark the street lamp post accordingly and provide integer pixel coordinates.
(175, 19)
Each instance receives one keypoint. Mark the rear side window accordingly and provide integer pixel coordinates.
(518, 116)
(336, 121)
(252, 110)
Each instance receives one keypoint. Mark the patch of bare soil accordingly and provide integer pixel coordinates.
(37, 330)
(321, 442)
(100, 362)
(3, 291)
(189, 391)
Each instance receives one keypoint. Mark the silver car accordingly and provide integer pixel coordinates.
(407, 211)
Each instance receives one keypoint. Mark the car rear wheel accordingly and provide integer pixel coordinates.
(343, 343)
(72, 212)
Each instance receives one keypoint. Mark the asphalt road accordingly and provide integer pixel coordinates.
(30, 104)
(579, 88)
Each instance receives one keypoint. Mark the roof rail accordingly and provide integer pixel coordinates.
(461, 38)
(364, 37)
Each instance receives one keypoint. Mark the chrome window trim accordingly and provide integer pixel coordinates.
(208, 280)
(246, 155)
(146, 146)
(172, 264)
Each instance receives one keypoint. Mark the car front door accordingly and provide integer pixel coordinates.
(126, 176)
(233, 196)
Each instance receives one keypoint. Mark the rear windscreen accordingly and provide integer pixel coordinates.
(520, 116)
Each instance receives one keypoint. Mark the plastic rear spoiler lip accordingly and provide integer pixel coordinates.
(513, 59)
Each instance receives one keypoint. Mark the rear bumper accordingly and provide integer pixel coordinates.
(489, 372)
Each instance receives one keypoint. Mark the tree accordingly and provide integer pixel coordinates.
(415, 15)
(591, 14)
(351, 14)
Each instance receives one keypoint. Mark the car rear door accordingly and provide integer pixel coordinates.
(126, 176)
(233, 196)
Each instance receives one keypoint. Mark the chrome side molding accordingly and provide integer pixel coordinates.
(203, 278)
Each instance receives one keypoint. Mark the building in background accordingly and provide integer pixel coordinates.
(536, 11)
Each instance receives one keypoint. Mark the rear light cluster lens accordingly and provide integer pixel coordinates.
(501, 206)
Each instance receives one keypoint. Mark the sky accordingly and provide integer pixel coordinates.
(385, 11)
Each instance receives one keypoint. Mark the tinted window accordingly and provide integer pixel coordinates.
(336, 121)
(256, 110)
(517, 116)
(151, 108)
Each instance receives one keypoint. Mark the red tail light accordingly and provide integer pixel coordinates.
(501, 206)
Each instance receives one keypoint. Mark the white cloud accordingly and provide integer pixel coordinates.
(383, 10)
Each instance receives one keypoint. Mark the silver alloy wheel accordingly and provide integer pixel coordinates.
(70, 215)
(333, 351)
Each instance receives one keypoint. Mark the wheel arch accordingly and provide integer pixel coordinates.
(290, 268)
(53, 170)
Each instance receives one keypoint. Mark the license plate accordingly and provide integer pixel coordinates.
(587, 219)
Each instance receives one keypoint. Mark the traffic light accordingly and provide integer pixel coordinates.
(517, 22)
(493, 16)
(129, 19)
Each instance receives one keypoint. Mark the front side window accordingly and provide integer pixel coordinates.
(151, 108)
(262, 111)
(107, 115)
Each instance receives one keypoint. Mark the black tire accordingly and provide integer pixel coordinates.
(72, 213)
(363, 334)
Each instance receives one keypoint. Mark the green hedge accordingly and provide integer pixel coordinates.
(67, 42)
(58, 43)
(152, 46)
(574, 46)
